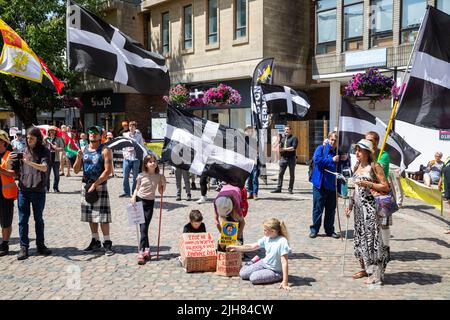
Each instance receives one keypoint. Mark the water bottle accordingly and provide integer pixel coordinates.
(255, 259)
(344, 189)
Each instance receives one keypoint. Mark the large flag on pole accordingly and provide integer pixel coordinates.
(98, 48)
(284, 99)
(205, 147)
(17, 59)
(355, 122)
(426, 101)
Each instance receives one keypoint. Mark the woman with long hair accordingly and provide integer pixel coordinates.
(32, 188)
(369, 248)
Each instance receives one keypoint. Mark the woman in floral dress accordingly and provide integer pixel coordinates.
(369, 248)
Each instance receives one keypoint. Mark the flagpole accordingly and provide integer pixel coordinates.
(337, 165)
(394, 108)
(160, 217)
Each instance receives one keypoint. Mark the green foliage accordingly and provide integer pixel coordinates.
(42, 25)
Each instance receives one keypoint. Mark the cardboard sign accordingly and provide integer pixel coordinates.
(228, 233)
(229, 263)
(135, 213)
(198, 252)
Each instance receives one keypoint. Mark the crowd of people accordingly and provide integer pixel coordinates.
(31, 160)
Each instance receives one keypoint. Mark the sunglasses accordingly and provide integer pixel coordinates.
(93, 132)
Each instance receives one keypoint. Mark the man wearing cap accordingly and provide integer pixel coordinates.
(8, 194)
(231, 205)
(324, 186)
(97, 164)
(56, 146)
(19, 143)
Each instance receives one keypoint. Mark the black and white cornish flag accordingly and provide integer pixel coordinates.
(284, 99)
(202, 146)
(426, 99)
(98, 48)
(355, 122)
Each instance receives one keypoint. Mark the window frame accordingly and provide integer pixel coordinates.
(407, 29)
(327, 43)
(212, 45)
(387, 33)
(351, 39)
(168, 33)
(236, 28)
(183, 10)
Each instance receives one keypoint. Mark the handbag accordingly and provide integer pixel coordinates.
(386, 203)
(90, 197)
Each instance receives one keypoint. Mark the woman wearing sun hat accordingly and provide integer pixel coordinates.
(368, 242)
(8, 193)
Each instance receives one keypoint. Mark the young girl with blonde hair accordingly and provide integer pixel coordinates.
(274, 266)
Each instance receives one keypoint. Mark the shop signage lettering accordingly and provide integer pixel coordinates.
(444, 135)
(101, 103)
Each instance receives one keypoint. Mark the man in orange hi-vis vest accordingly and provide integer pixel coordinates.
(8, 193)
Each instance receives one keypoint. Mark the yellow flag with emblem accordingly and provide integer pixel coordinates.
(17, 58)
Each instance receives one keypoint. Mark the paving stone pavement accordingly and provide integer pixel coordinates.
(420, 268)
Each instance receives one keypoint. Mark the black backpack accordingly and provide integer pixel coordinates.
(311, 166)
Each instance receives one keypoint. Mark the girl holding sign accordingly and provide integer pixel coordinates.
(146, 184)
(274, 267)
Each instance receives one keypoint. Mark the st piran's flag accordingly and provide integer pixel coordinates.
(141, 151)
(426, 101)
(284, 99)
(355, 122)
(205, 147)
(100, 49)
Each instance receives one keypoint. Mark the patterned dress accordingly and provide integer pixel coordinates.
(368, 243)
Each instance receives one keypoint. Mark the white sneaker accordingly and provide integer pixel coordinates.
(201, 200)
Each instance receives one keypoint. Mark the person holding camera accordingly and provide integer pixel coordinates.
(56, 146)
(7, 195)
(32, 169)
(97, 163)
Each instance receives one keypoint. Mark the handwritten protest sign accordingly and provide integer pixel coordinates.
(135, 213)
(229, 263)
(198, 252)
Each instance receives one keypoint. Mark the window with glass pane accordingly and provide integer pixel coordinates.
(413, 12)
(165, 33)
(187, 27)
(241, 18)
(381, 23)
(353, 26)
(443, 5)
(326, 26)
(212, 21)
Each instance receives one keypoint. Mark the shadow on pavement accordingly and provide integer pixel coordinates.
(419, 278)
(414, 255)
(300, 281)
(168, 205)
(70, 252)
(302, 256)
(436, 240)
(422, 208)
(65, 192)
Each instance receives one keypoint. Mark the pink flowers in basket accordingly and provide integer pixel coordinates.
(219, 96)
(371, 84)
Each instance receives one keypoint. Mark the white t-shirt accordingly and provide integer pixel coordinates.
(275, 248)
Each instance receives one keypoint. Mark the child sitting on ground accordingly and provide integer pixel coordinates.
(195, 225)
(274, 267)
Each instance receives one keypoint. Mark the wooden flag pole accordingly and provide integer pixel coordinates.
(337, 165)
(160, 217)
(388, 128)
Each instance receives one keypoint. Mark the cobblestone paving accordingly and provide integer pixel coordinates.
(420, 268)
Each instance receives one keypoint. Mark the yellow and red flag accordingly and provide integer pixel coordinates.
(17, 59)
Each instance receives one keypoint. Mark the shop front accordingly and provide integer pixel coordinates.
(103, 108)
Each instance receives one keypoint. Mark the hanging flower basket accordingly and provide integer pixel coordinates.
(222, 96)
(370, 85)
(178, 95)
